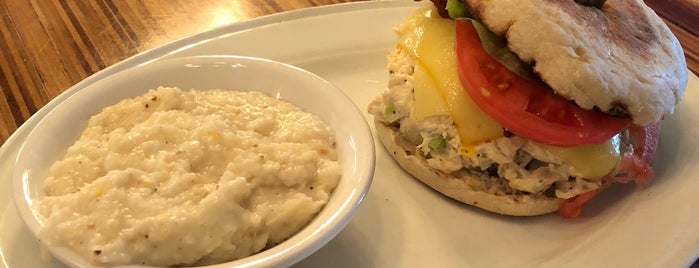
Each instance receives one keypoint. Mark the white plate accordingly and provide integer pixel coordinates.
(402, 223)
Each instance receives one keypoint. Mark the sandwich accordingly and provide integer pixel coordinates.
(529, 107)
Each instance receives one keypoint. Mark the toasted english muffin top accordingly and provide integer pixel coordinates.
(620, 58)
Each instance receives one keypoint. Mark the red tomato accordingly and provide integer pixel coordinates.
(634, 166)
(571, 208)
(522, 106)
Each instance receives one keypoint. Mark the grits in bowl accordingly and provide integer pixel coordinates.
(124, 171)
(189, 177)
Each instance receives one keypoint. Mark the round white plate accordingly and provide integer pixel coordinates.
(402, 223)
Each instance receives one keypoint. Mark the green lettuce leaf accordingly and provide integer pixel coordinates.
(457, 9)
(495, 45)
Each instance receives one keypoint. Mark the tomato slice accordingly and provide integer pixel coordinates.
(634, 166)
(571, 208)
(522, 106)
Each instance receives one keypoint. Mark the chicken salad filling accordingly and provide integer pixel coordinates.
(514, 165)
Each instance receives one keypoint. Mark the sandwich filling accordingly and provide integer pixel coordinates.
(437, 121)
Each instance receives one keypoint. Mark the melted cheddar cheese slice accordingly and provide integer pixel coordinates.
(431, 41)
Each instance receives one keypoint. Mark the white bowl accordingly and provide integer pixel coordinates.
(63, 125)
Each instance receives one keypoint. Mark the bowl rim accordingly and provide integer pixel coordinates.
(322, 228)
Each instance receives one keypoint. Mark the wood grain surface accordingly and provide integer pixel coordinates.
(47, 46)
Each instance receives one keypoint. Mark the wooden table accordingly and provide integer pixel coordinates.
(47, 46)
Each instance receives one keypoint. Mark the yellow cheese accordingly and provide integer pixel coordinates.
(592, 161)
(430, 39)
(428, 100)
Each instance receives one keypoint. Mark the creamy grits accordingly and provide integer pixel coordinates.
(195, 177)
